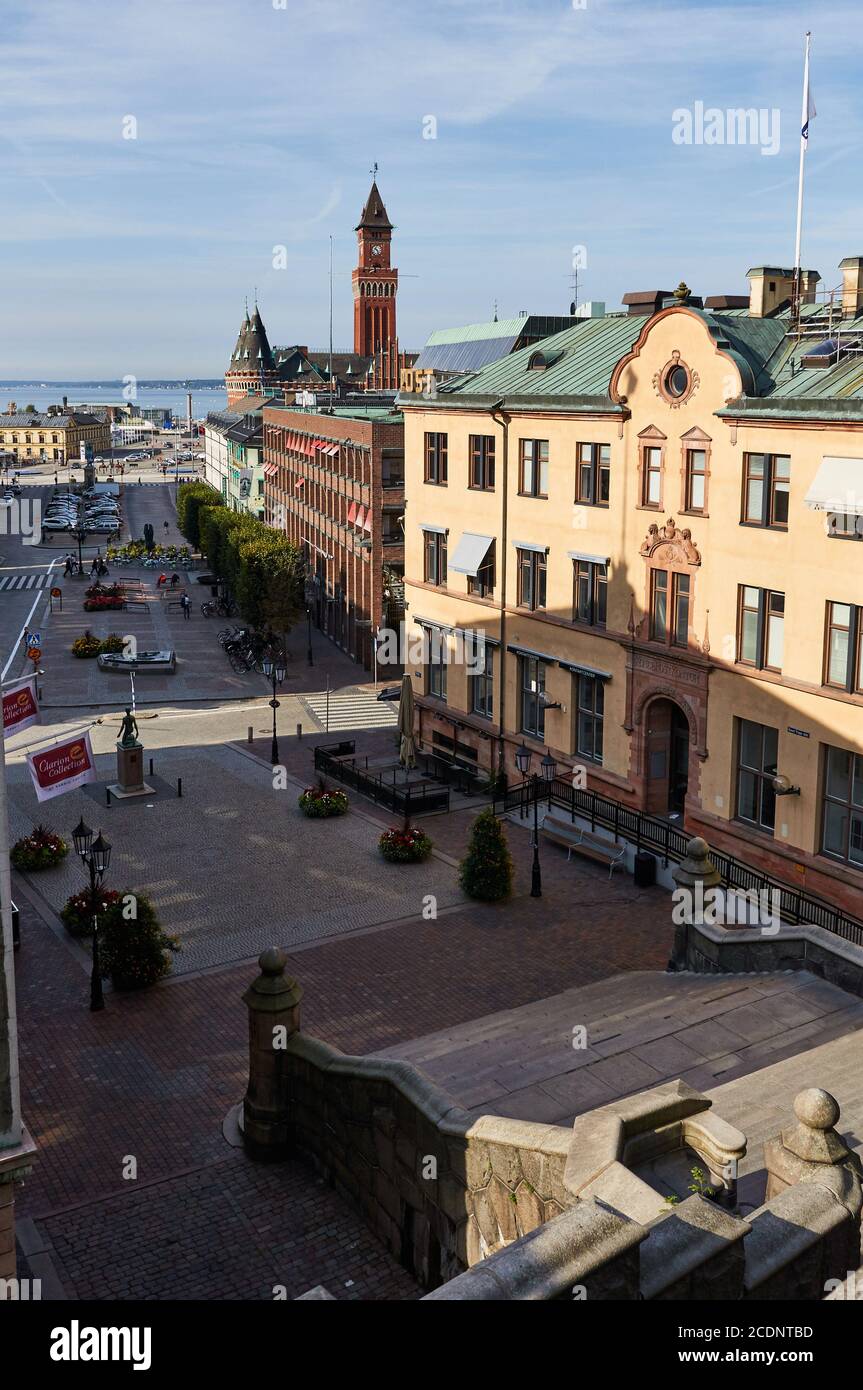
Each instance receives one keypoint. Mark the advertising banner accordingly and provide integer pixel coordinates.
(20, 706)
(62, 767)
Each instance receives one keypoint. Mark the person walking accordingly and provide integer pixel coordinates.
(187, 606)
(68, 570)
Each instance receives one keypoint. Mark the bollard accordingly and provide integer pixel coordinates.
(151, 767)
(107, 796)
(299, 731)
(179, 786)
(250, 735)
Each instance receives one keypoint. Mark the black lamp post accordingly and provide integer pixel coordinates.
(309, 619)
(523, 758)
(275, 670)
(80, 535)
(96, 855)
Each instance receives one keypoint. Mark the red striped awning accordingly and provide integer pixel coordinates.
(367, 524)
(352, 513)
(301, 482)
(333, 449)
(270, 469)
(361, 517)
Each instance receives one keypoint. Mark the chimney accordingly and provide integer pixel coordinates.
(771, 288)
(645, 302)
(852, 286)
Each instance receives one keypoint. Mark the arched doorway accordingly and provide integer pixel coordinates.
(666, 742)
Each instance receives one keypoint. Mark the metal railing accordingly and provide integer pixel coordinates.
(670, 842)
(407, 798)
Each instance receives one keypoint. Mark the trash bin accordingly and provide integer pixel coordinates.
(644, 870)
(16, 927)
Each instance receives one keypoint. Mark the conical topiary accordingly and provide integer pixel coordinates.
(486, 870)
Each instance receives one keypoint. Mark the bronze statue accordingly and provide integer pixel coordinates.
(128, 731)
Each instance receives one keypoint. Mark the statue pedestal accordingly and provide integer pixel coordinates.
(130, 773)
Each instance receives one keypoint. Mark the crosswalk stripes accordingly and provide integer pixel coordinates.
(351, 711)
(23, 581)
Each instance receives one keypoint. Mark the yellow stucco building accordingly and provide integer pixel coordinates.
(654, 521)
(30, 437)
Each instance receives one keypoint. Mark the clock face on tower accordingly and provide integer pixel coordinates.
(376, 249)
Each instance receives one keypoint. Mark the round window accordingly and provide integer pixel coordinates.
(677, 381)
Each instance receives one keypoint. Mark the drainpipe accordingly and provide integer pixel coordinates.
(496, 413)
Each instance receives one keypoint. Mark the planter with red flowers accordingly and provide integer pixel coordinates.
(318, 802)
(41, 849)
(77, 914)
(405, 846)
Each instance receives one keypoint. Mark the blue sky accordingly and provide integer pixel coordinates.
(258, 122)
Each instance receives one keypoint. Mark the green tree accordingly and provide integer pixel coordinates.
(486, 870)
(135, 950)
(269, 588)
(191, 498)
(29, 410)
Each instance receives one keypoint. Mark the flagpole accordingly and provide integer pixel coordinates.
(804, 140)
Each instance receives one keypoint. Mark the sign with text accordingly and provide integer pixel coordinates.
(20, 706)
(62, 767)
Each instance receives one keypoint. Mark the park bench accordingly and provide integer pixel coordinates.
(584, 842)
(139, 605)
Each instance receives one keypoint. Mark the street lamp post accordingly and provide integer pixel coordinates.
(309, 619)
(523, 758)
(96, 855)
(275, 670)
(80, 534)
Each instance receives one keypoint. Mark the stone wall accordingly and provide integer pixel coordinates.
(732, 950)
(440, 1189)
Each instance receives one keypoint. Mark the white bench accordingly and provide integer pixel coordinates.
(585, 842)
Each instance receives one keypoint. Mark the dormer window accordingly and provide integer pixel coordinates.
(540, 361)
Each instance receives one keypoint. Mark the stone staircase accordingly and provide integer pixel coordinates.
(559, 1057)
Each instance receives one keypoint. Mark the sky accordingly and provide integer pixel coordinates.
(156, 154)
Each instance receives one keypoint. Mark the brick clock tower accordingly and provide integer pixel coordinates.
(375, 283)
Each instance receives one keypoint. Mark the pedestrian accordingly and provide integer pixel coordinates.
(94, 568)
(26, 637)
(167, 527)
(69, 570)
(187, 606)
(175, 579)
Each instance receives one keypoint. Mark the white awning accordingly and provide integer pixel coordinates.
(837, 486)
(531, 545)
(590, 559)
(470, 553)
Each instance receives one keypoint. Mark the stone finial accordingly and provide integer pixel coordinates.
(815, 1139)
(812, 1150)
(697, 866)
(682, 293)
(273, 990)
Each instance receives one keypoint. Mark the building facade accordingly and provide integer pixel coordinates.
(234, 454)
(334, 483)
(653, 520)
(30, 437)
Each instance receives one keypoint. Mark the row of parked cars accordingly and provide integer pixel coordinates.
(94, 511)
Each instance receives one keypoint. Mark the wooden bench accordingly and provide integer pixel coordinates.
(140, 605)
(585, 842)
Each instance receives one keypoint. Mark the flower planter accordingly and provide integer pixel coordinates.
(40, 850)
(405, 846)
(318, 804)
(77, 914)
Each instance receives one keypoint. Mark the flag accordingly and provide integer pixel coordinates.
(62, 767)
(20, 706)
(810, 112)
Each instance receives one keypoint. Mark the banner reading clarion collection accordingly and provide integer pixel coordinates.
(62, 767)
(20, 706)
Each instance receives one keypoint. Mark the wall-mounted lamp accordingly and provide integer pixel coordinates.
(782, 786)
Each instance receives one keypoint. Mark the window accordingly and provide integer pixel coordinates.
(482, 682)
(531, 579)
(766, 488)
(435, 458)
(593, 474)
(757, 753)
(676, 381)
(659, 605)
(435, 557)
(669, 624)
(482, 462)
(843, 660)
(842, 832)
(482, 584)
(437, 663)
(590, 706)
(533, 472)
(651, 476)
(760, 628)
(590, 582)
(680, 600)
(696, 480)
(532, 686)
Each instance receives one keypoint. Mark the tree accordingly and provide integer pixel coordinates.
(29, 410)
(135, 949)
(191, 498)
(269, 588)
(486, 870)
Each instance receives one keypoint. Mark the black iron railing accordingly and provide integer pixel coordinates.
(383, 787)
(670, 841)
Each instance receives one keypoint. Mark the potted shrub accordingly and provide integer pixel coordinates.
(320, 802)
(112, 643)
(486, 870)
(77, 914)
(135, 951)
(408, 845)
(86, 646)
(41, 849)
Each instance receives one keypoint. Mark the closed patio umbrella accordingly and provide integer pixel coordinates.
(406, 723)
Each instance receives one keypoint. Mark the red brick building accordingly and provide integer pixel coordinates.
(334, 483)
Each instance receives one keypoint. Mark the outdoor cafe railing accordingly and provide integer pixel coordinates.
(382, 787)
(670, 841)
